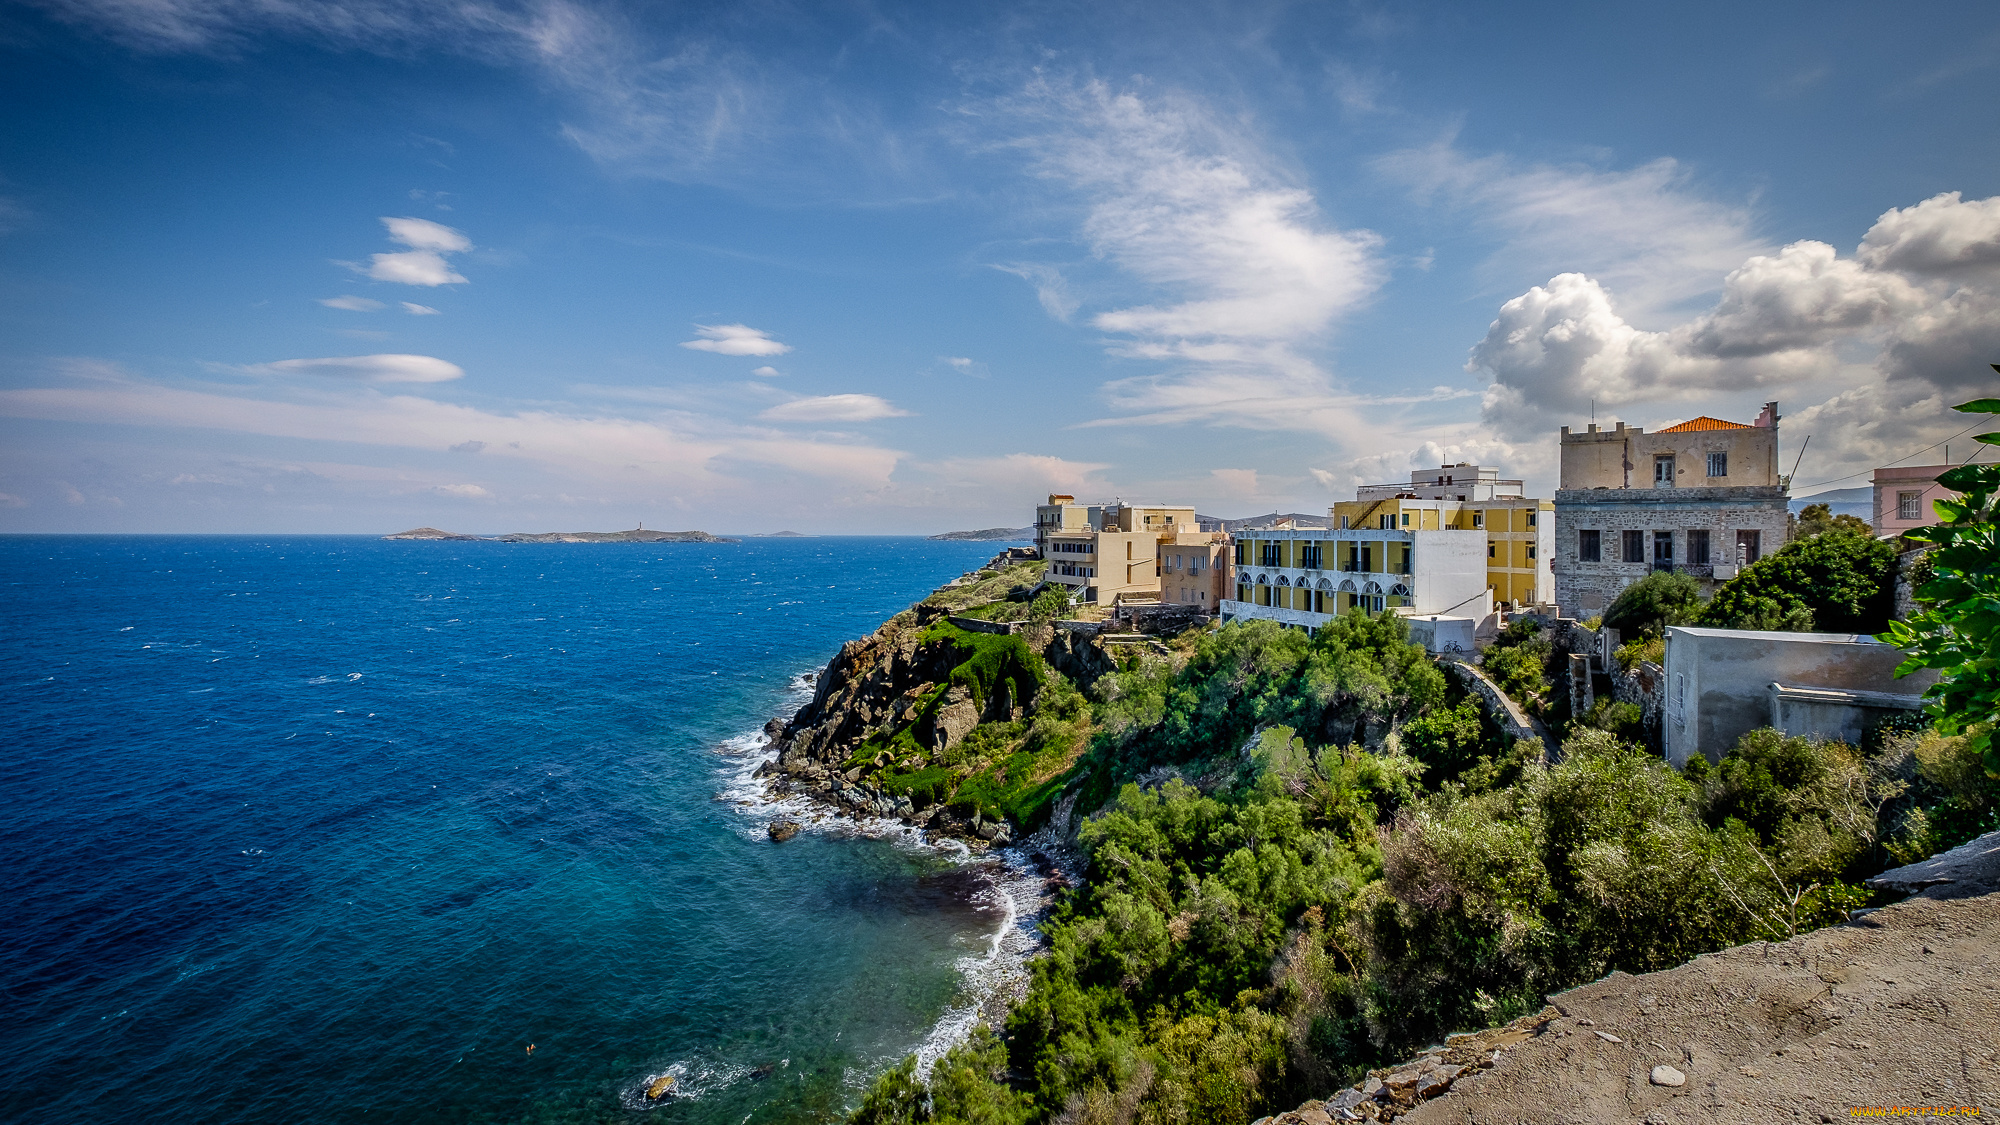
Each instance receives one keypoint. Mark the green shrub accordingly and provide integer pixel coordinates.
(1661, 598)
(1838, 582)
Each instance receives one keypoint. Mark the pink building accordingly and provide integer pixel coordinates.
(1903, 498)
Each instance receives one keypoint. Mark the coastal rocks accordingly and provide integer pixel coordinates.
(782, 830)
(953, 720)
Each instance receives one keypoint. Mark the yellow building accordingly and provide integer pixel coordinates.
(1519, 533)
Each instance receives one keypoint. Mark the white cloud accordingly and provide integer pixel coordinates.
(1246, 271)
(423, 234)
(415, 309)
(9, 500)
(834, 408)
(369, 368)
(958, 361)
(734, 339)
(1649, 233)
(351, 303)
(1879, 345)
(767, 372)
(462, 491)
(1051, 288)
(414, 267)
(424, 262)
(468, 447)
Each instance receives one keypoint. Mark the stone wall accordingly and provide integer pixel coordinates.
(1505, 713)
(1587, 588)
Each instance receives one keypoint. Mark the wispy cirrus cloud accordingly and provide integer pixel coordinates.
(351, 303)
(734, 339)
(1245, 272)
(1649, 232)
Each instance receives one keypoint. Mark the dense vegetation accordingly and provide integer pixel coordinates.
(1312, 858)
(1312, 854)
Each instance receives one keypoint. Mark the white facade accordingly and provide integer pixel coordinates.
(1412, 572)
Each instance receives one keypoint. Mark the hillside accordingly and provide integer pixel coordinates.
(1305, 857)
(990, 535)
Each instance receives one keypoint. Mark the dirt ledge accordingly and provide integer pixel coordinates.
(1899, 1008)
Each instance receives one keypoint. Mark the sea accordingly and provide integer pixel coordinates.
(329, 829)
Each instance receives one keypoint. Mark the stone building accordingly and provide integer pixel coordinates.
(1702, 498)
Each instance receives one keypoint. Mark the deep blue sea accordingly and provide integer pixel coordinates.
(334, 829)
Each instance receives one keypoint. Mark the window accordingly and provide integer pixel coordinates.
(1491, 550)
(1697, 548)
(1748, 546)
(1718, 464)
(1909, 505)
(1406, 519)
(1587, 546)
(1531, 550)
(1663, 472)
(1635, 547)
(1531, 519)
(1242, 553)
(1663, 550)
(1479, 519)
(1388, 522)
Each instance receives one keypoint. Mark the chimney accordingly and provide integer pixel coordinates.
(1768, 420)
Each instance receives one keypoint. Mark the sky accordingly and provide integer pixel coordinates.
(355, 266)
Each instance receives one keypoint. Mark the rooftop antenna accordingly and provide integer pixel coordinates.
(1593, 412)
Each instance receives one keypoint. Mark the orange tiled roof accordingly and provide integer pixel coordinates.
(1703, 423)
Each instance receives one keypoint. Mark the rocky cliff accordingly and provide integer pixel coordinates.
(961, 732)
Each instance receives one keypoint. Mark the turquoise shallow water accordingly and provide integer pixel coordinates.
(332, 829)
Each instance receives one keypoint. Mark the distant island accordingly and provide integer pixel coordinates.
(780, 535)
(989, 535)
(636, 535)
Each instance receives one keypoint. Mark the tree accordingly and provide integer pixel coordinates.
(1661, 598)
(1818, 519)
(1836, 582)
(1958, 630)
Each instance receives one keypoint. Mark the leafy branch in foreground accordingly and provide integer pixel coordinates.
(1958, 630)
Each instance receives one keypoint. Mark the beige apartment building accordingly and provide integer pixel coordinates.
(1702, 498)
(1108, 552)
(1903, 498)
(1195, 569)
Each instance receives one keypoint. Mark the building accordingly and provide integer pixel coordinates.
(1903, 498)
(1519, 530)
(1701, 498)
(1107, 552)
(1196, 568)
(1723, 683)
(1307, 577)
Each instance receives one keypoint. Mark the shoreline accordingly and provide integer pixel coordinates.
(1020, 881)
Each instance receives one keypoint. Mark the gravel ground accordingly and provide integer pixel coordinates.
(1900, 1008)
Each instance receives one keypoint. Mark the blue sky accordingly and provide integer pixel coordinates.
(274, 265)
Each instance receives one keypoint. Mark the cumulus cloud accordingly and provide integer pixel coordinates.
(369, 368)
(1879, 345)
(415, 309)
(351, 303)
(734, 339)
(424, 262)
(462, 491)
(1245, 270)
(834, 408)
(767, 372)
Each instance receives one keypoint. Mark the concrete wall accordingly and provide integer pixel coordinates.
(1442, 634)
(1718, 681)
(1448, 574)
